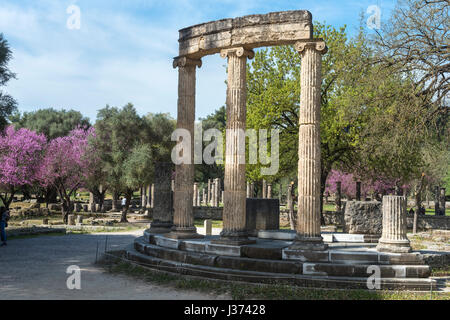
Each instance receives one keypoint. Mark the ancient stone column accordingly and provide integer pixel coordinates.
(290, 206)
(152, 203)
(71, 219)
(338, 196)
(203, 197)
(184, 173)
(308, 215)
(436, 201)
(393, 237)
(149, 196)
(91, 202)
(234, 218)
(208, 227)
(143, 197)
(442, 202)
(162, 204)
(217, 191)
(252, 190)
(248, 190)
(269, 191)
(358, 190)
(264, 189)
(195, 196)
(213, 193)
(208, 194)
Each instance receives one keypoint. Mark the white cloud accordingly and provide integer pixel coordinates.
(122, 53)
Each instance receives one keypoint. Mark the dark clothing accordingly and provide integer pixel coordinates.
(4, 217)
(3, 231)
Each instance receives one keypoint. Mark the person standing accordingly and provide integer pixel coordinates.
(4, 217)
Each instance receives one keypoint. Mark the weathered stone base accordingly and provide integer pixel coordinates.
(233, 238)
(309, 244)
(160, 227)
(233, 241)
(400, 246)
(263, 263)
(184, 233)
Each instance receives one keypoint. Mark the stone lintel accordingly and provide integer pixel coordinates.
(252, 31)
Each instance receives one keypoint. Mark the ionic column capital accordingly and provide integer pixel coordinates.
(238, 51)
(186, 62)
(320, 46)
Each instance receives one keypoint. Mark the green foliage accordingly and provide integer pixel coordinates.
(7, 103)
(216, 120)
(53, 123)
(130, 145)
(136, 166)
(273, 80)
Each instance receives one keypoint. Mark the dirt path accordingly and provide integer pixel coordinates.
(35, 268)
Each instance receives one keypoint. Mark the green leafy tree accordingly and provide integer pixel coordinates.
(129, 146)
(216, 120)
(53, 123)
(273, 100)
(7, 103)
(118, 131)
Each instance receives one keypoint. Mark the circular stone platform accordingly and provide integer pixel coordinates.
(343, 265)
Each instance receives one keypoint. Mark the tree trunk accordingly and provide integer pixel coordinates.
(116, 196)
(418, 202)
(7, 200)
(65, 209)
(323, 180)
(26, 193)
(50, 195)
(290, 205)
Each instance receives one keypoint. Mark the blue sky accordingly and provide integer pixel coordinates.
(123, 50)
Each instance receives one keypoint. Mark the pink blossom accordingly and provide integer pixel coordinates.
(21, 152)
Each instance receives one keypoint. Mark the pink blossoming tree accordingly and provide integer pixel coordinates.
(21, 152)
(64, 165)
(368, 187)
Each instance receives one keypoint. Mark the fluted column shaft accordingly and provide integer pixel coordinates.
(234, 219)
(308, 214)
(393, 237)
(184, 173)
(162, 210)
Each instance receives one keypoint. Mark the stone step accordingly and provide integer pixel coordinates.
(226, 274)
(279, 266)
(278, 250)
(329, 237)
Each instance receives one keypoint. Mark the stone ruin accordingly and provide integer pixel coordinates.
(300, 258)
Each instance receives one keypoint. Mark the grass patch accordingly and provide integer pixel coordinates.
(240, 291)
(440, 271)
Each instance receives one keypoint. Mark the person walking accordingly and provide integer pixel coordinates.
(4, 217)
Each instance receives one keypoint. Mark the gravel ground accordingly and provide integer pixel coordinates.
(35, 268)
